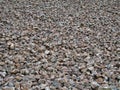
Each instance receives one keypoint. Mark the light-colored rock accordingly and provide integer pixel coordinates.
(104, 88)
(11, 45)
(25, 86)
(43, 86)
(2, 63)
(91, 68)
(94, 84)
(47, 52)
(3, 74)
(18, 78)
(8, 88)
(47, 88)
(25, 71)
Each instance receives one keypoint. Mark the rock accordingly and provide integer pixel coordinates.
(10, 84)
(8, 88)
(25, 71)
(53, 60)
(91, 68)
(64, 88)
(43, 86)
(100, 80)
(104, 88)
(24, 87)
(47, 52)
(2, 63)
(14, 71)
(18, 78)
(94, 85)
(3, 74)
(42, 48)
(74, 88)
(11, 45)
(47, 88)
(17, 85)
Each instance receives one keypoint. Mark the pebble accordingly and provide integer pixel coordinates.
(15, 71)
(11, 45)
(91, 68)
(17, 85)
(104, 88)
(25, 71)
(43, 86)
(18, 78)
(2, 63)
(47, 88)
(3, 74)
(47, 52)
(94, 85)
(100, 80)
(8, 88)
(59, 44)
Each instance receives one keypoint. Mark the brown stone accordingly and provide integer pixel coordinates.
(14, 71)
(100, 80)
(18, 78)
(17, 85)
(8, 88)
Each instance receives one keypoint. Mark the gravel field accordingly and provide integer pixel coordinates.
(59, 44)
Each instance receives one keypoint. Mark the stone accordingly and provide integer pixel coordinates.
(14, 71)
(17, 85)
(64, 88)
(18, 78)
(91, 68)
(47, 52)
(8, 88)
(25, 71)
(74, 88)
(42, 48)
(100, 80)
(43, 86)
(94, 85)
(11, 45)
(24, 87)
(2, 63)
(47, 88)
(3, 74)
(104, 88)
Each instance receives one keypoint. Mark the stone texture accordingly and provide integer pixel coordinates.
(59, 44)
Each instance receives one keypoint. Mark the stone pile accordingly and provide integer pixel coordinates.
(59, 45)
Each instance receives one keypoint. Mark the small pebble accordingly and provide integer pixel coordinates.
(47, 52)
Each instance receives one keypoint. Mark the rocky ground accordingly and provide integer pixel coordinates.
(59, 44)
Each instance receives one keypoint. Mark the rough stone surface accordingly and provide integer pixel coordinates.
(59, 44)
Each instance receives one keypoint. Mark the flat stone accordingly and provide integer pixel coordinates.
(47, 52)
(17, 85)
(8, 88)
(2, 63)
(43, 86)
(47, 88)
(24, 71)
(25, 86)
(3, 74)
(104, 88)
(94, 84)
(100, 80)
(18, 78)
(14, 71)
(11, 45)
